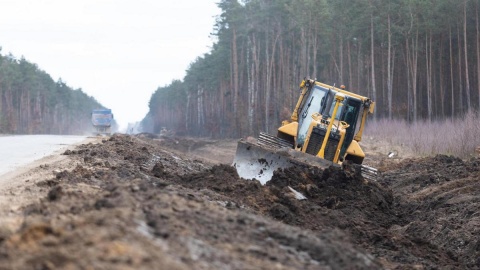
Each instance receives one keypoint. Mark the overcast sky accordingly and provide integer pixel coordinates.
(118, 51)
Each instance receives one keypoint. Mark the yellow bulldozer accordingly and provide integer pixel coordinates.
(324, 129)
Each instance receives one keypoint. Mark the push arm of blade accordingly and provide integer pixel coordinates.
(294, 116)
(339, 98)
(366, 110)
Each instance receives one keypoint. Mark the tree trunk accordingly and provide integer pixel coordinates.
(341, 79)
(452, 89)
(467, 81)
(414, 78)
(314, 52)
(389, 70)
(359, 66)
(200, 110)
(349, 59)
(409, 83)
(267, 82)
(413, 70)
(187, 114)
(428, 60)
(235, 78)
(442, 80)
(478, 52)
(303, 53)
(460, 92)
(372, 52)
(268, 90)
(251, 46)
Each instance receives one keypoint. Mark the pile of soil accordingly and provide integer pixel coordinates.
(139, 202)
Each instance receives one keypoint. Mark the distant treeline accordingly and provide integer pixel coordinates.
(32, 103)
(418, 59)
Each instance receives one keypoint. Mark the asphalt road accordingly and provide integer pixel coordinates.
(17, 151)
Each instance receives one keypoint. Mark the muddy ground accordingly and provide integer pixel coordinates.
(148, 202)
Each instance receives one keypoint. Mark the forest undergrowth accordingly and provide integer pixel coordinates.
(455, 136)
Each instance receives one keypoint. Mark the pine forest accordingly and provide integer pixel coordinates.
(417, 59)
(33, 103)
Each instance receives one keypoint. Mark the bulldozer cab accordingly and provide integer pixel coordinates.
(321, 100)
(314, 102)
(350, 114)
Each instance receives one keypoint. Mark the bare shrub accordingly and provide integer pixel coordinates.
(459, 137)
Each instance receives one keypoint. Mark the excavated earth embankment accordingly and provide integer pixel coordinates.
(142, 203)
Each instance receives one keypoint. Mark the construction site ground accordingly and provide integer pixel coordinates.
(150, 202)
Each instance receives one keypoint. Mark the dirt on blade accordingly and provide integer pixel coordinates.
(149, 202)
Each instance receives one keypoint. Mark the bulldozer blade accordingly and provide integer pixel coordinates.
(253, 161)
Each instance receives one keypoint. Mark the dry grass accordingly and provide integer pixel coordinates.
(458, 137)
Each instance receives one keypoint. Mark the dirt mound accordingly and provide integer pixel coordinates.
(124, 208)
(134, 202)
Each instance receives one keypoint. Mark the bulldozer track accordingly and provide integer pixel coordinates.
(369, 173)
(269, 140)
(272, 141)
